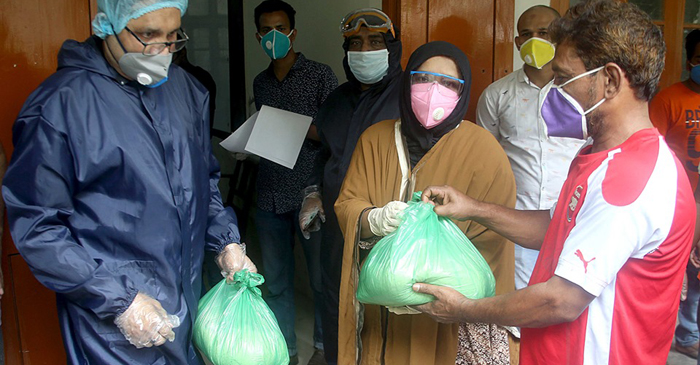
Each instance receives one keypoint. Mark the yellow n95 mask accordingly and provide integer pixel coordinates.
(537, 52)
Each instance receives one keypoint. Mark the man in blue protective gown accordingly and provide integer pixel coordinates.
(112, 190)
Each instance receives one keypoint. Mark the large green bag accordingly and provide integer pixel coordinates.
(236, 327)
(424, 249)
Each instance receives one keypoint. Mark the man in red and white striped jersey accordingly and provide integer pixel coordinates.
(606, 286)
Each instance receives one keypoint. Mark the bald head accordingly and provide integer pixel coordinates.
(534, 23)
(538, 11)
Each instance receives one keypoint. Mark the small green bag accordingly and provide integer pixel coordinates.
(424, 249)
(236, 327)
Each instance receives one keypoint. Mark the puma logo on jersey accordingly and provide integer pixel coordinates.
(579, 254)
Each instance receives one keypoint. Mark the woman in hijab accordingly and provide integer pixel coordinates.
(429, 145)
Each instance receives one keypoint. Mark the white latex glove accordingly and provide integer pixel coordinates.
(403, 310)
(239, 156)
(311, 214)
(385, 220)
(233, 259)
(145, 323)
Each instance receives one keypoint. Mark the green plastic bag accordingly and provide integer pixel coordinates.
(424, 249)
(236, 327)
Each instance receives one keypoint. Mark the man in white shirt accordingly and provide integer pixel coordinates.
(510, 109)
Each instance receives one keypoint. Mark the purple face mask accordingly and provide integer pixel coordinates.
(563, 115)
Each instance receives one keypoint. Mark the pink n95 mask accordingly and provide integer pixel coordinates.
(433, 97)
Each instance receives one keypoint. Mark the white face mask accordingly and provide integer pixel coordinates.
(369, 67)
(150, 71)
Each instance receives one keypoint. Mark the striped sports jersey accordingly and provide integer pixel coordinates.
(621, 230)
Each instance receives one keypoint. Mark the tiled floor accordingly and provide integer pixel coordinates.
(305, 328)
(675, 358)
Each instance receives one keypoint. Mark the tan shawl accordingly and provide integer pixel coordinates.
(469, 159)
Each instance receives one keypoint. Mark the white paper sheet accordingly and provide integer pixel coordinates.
(271, 133)
(237, 140)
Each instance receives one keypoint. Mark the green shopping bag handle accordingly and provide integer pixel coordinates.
(248, 280)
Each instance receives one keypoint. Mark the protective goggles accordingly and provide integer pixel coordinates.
(424, 77)
(375, 20)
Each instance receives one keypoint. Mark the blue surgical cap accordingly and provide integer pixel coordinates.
(116, 13)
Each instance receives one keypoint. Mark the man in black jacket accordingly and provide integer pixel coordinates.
(373, 67)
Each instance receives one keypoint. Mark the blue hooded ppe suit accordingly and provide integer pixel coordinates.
(112, 190)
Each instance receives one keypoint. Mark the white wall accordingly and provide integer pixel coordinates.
(520, 7)
(319, 38)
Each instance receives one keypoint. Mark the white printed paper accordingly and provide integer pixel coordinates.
(274, 134)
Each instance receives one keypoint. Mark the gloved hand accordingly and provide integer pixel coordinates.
(311, 214)
(145, 323)
(403, 310)
(233, 259)
(385, 220)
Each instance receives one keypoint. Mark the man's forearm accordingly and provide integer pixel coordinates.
(524, 227)
(545, 304)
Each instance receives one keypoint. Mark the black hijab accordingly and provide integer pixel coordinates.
(419, 139)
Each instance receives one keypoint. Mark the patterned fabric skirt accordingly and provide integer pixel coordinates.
(482, 344)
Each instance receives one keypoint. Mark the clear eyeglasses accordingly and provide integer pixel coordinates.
(155, 48)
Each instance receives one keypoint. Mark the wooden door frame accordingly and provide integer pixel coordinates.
(503, 29)
(673, 36)
(673, 25)
(29, 68)
(504, 38)
(93, 10)
(560, 5)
